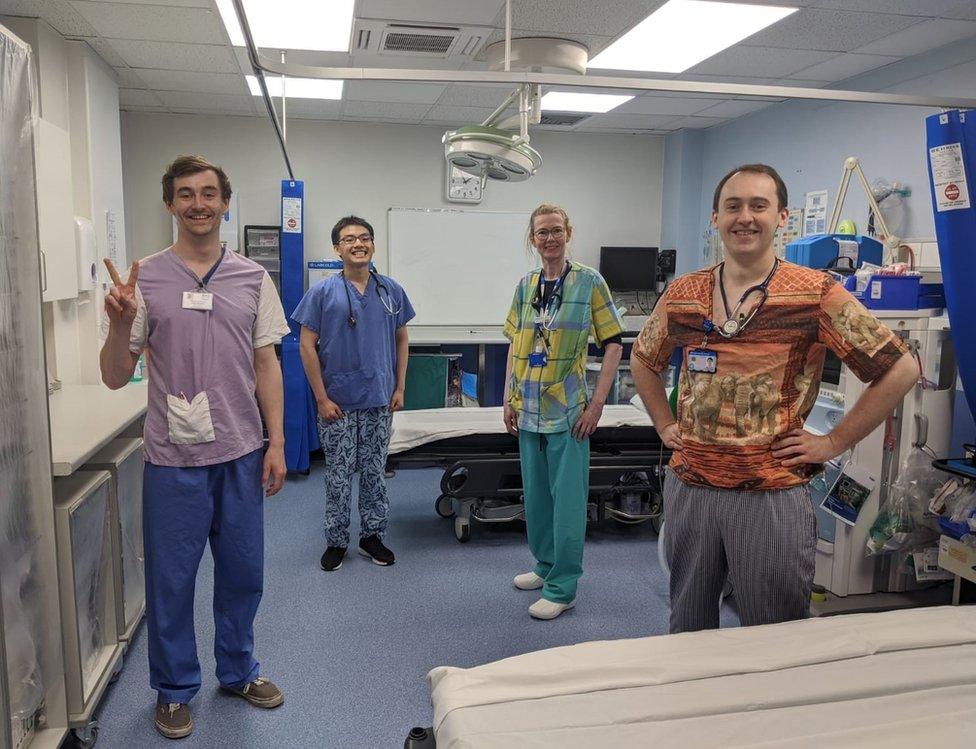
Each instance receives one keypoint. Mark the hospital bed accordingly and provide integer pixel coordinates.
(896, 679)
(482, 480)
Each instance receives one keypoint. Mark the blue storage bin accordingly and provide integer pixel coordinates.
(892, 292)
(819, 250)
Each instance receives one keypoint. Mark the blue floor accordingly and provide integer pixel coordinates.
(350, 649)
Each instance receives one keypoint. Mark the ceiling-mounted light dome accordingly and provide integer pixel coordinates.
(491, 152)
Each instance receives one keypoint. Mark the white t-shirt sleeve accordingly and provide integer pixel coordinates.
(270, 326)
(138, 335)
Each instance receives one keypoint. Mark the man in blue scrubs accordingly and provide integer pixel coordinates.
(209, 320)
(354, 348)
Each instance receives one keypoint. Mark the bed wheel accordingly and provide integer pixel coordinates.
(444, 505)
(462, 530)
(657, 521)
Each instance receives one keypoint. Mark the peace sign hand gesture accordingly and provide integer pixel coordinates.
(120, 302)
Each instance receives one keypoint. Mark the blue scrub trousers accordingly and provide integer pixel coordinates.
(182, 509)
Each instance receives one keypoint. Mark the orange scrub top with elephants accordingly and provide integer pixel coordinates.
(767, 377)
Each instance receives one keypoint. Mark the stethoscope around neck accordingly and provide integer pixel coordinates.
(555, 301)
(388, 305)
(736, 323)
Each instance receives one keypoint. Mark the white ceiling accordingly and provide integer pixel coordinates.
(175, 56)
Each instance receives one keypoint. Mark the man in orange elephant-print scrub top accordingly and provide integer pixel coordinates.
(768, 376)
(754, 331)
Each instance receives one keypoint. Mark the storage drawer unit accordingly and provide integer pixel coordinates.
(123, 459)
(86, 582)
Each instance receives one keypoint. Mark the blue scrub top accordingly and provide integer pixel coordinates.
(358, 364)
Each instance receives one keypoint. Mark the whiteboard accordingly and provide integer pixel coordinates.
(459, 267)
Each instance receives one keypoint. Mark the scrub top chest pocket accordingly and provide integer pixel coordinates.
(189, 421)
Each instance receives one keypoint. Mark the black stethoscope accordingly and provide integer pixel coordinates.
(548, 313)
(388, 304)
(735, 322)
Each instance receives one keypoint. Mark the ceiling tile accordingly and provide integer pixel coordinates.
(844, 66)
(136, 108)
(130, 97)
(959, 9)
(58, 13)
(628, 121)
(579, 16)
(695, 123)
(452, 115)
(670, 105)
(735, 108)
(410, 93)
(759, 61)
(475, 95)
(790, 3)
(478, 13)
(830, 30)
(204, 83)
(299, 57)
(921, 38)
(188, 100)
(153, 22)
(326, 109)
(172, 56)
(397, 110)
(129, 78)
(106, 50)
(177, 3)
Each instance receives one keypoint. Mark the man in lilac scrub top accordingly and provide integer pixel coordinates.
(354, 348)
(208, 320)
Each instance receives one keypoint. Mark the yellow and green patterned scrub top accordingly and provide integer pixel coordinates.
(552, 397)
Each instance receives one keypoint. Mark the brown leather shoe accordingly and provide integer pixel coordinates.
(173, 720)
(260, 692)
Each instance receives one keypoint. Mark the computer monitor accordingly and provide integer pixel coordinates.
(629, 268)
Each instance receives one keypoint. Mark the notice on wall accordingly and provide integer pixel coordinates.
(949, 177)
(291, 215)
(815, 213)
(112, 239)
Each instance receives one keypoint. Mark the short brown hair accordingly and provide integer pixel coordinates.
(781, 195)
(185, 165)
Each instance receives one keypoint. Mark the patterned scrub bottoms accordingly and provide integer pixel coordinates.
(356, 443)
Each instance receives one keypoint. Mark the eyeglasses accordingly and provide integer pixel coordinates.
(351, 240)
(544, 234)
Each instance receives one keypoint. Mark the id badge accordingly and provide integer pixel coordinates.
(702, 360)
(197, 300)
(538, 359)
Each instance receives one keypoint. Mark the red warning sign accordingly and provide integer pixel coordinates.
(292, 223)
(952, 191)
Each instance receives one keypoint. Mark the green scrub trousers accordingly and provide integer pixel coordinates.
(556, 483)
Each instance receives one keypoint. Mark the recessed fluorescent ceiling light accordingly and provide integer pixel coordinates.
(682, 33)
(321, 25)
(298, 88)
(564, 101)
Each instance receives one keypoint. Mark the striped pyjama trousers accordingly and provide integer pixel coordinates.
(764, 541)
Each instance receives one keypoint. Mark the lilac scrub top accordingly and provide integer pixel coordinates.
(203, 355)
(358, 363)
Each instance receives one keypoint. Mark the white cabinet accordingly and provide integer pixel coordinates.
(55, 212)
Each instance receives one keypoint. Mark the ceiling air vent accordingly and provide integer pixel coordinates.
(565, 120)
(385, 37)
(433, 41)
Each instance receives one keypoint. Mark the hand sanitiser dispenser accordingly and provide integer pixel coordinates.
(86, 248)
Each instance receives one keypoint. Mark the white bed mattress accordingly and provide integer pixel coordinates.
(414, 428)
(897, 679)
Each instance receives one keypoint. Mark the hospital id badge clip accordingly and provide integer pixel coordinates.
(702, 360)
(197, 300)
(538, 359)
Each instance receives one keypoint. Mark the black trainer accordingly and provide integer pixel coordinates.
(372, 547)
(332, 559)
